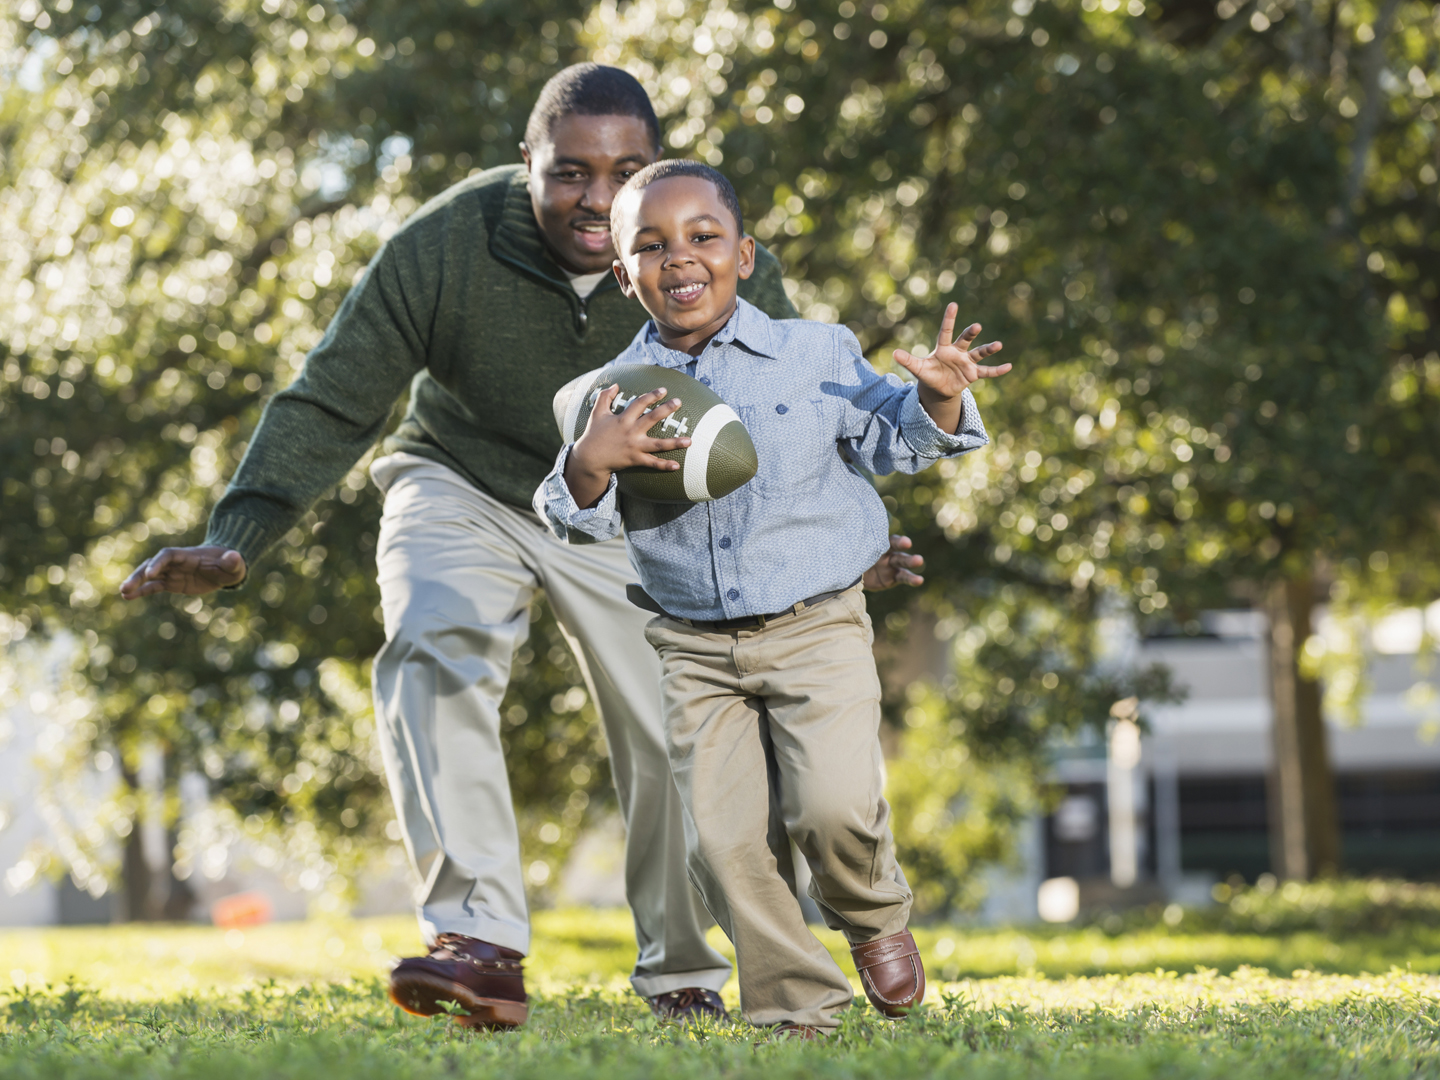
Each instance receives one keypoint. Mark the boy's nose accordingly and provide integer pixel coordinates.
(680, 255)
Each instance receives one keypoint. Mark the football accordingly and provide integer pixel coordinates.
(719, 459)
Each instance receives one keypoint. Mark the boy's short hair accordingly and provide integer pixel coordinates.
(590, 90)
(664, 170)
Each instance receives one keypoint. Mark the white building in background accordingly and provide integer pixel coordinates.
(1197, 793)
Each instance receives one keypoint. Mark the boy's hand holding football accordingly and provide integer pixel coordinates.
(615, 441)
(946, 373)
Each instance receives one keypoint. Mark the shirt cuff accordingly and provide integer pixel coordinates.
(925, 437)
(566, 519)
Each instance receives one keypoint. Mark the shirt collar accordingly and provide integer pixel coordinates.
(748, 327)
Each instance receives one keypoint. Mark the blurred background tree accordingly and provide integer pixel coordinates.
(1206, 235)
(189, 189)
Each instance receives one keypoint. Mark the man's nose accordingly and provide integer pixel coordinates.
(599, 194)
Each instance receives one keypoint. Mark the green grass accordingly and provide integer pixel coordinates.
(307, 1000)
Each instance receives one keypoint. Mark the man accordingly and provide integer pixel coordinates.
(490, 298)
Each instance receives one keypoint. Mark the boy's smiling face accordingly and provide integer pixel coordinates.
(681, 252)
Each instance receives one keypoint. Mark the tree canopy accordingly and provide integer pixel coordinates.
(1207, 237)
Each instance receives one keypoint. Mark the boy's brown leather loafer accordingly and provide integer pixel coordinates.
(483, 979)
(891, 972)
(688, 1006)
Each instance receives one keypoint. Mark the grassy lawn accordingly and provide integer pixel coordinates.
(307, 1000)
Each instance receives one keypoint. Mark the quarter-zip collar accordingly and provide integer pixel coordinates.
(517, 240)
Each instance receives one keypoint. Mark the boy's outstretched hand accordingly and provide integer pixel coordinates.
(614, 441)
(946, 373)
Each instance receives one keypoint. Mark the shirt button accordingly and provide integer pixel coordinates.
(733, 594)
(705, 380)
(724, 541)
(781, 409)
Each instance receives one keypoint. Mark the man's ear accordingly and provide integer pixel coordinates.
(623, 277)
(747, 256)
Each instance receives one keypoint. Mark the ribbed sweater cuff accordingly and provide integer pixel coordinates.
(239, 534)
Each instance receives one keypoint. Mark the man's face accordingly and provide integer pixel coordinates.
(574, 176)
(682, 254)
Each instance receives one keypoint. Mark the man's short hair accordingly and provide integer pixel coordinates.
(590, 90)
(664, 170)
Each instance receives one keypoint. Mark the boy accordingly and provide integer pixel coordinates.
(771, 700)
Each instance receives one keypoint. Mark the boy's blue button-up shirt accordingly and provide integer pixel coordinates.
(809, 522)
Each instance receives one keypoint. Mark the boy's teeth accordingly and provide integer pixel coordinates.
(686, 290)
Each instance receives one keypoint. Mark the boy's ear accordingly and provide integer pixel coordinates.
(623, 277)
(747, 256)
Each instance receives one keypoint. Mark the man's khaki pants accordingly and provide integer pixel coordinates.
(773, 737)
(457, 572)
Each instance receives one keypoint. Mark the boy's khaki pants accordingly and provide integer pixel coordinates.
(457, 572)
(773, 736)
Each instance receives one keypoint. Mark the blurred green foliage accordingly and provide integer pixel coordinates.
(1223, 331)
(1338, 908)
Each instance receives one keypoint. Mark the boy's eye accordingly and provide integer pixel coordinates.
(702, 237)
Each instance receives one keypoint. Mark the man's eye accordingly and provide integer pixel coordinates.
(569, 175)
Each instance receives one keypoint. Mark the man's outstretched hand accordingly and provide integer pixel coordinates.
(191, 571)
(894, 567)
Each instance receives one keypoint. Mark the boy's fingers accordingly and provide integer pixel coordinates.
(984, 372)
(657, 446)
(664, 409)
(905, 360)
(663, 464)
(643, 403)
(947, 324)
(605, 400)
(971, 332)
(648, 399)
(982, 351)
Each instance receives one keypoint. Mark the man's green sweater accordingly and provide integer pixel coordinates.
(465, 305)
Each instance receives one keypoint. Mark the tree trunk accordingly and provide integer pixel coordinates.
(137, 880)
(1304, 830)
(151, 893)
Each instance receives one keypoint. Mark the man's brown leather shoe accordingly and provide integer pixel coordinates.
(483, 979)
(891, 972)
(689, 1006)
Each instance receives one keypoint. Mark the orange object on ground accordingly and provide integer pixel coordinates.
(241, 909)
